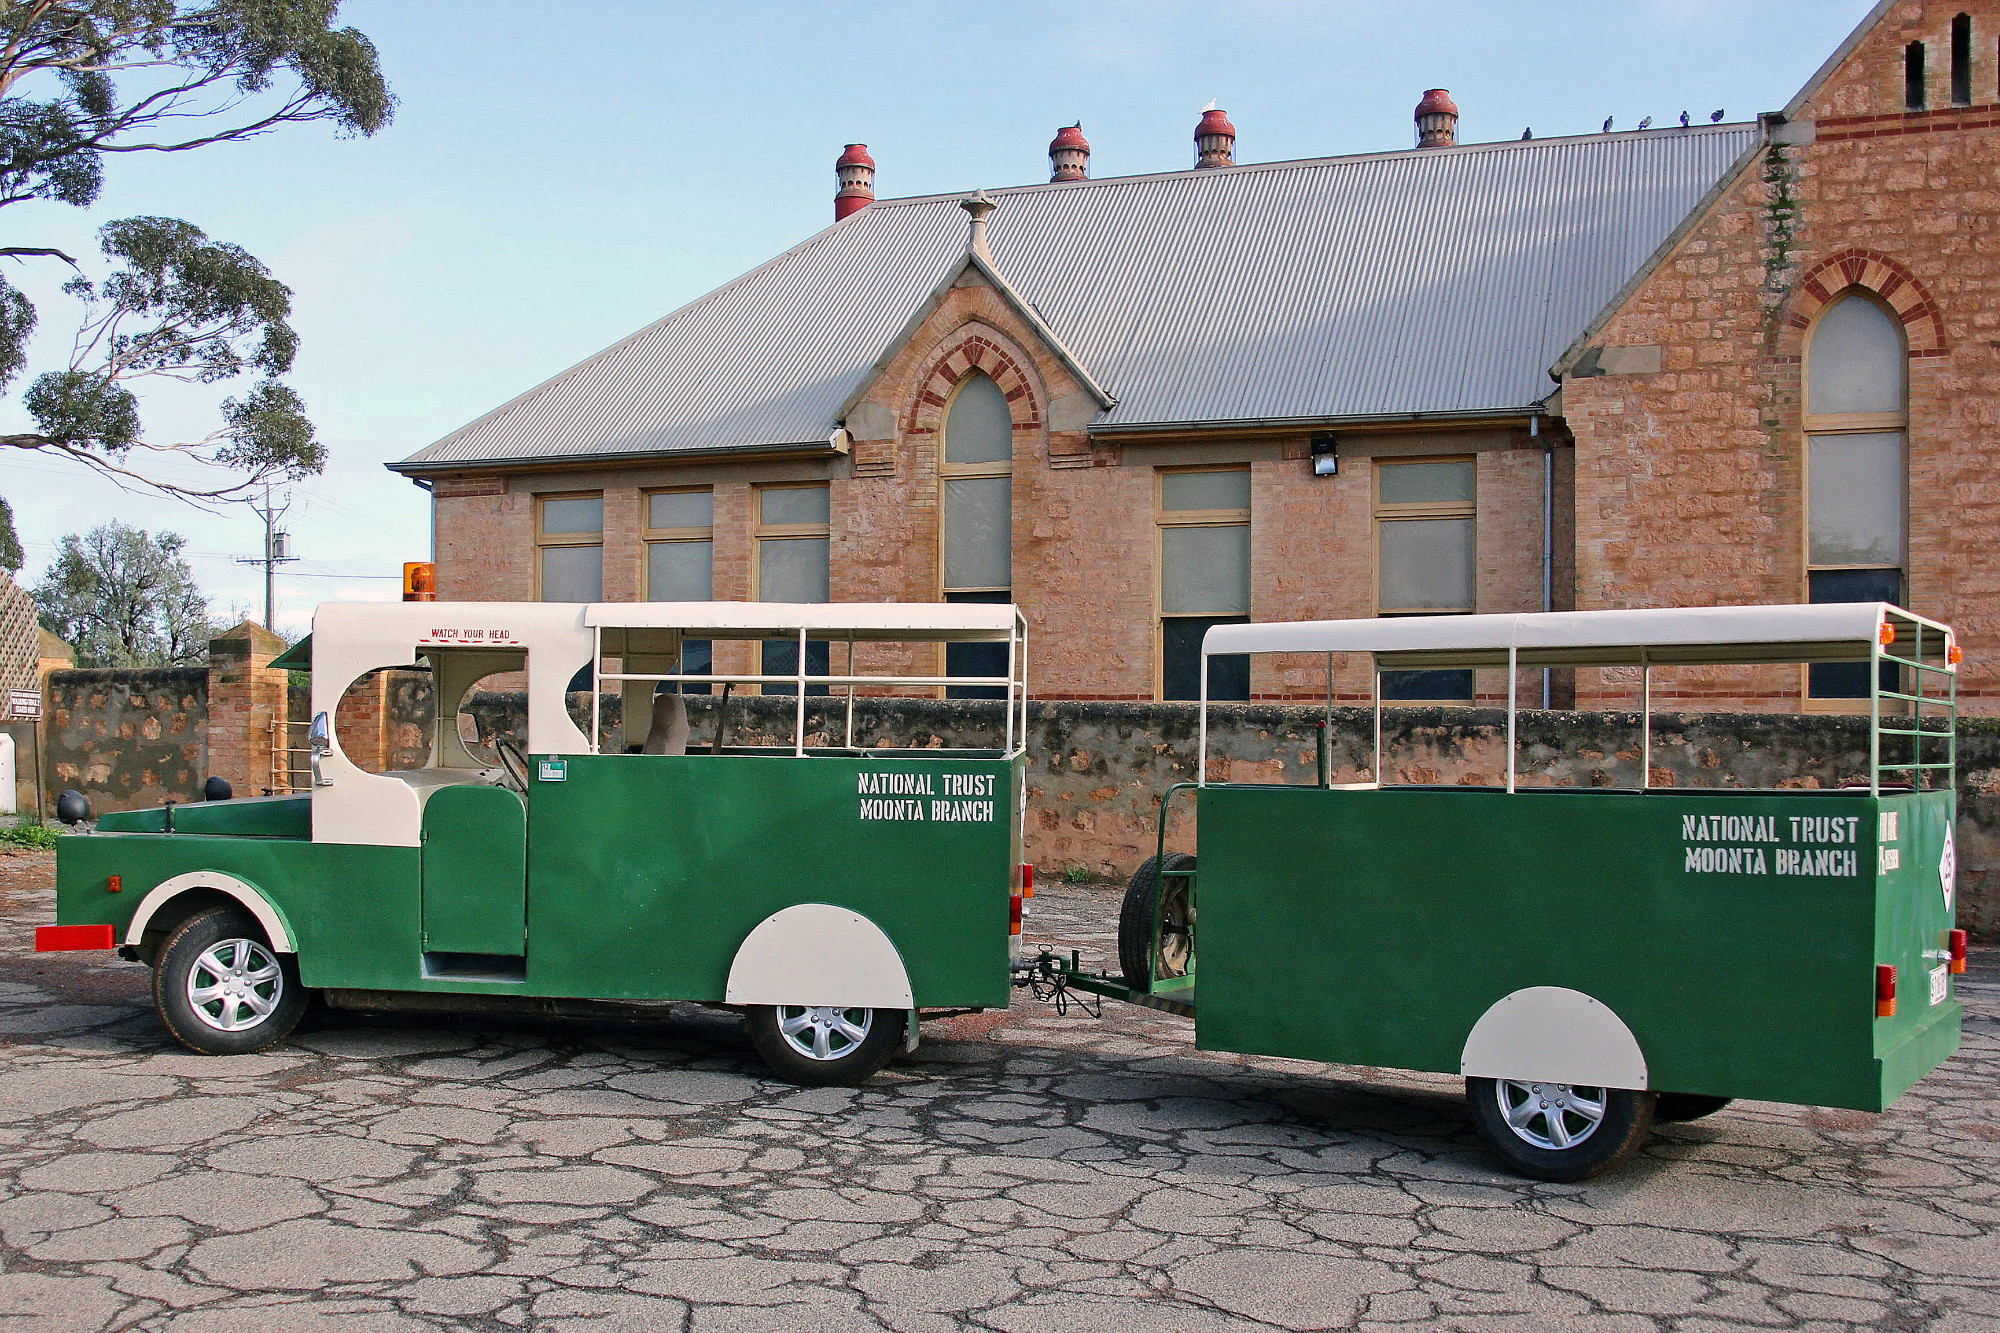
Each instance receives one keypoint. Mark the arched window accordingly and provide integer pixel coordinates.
(976, 478)
(1857, 467)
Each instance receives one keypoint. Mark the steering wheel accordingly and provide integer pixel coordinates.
(513, 765)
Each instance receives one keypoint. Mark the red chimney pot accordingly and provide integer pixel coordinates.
(1437, 120)
(1214, 140)
(1069, 154)
(855, 171)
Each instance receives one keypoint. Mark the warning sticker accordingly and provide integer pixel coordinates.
(1948, 867)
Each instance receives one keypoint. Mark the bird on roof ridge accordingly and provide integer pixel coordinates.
(1646, 124)
(1210, 106)
(1715, 117)
(1684, 120)
(1527, 134)
(1607, 126)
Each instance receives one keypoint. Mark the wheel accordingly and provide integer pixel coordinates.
(824, 1046)
(1553, 1131)
(1176, 914)
(1678, 1106)
(220, 987)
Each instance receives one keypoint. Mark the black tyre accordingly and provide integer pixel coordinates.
(221, 988)
(1679, 1106)
(1552, 1131)
(824, 1046)
(1169, 886)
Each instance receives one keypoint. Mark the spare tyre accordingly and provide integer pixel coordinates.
(1166, 888)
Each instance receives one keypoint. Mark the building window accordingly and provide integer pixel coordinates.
(569, 548)
(1913, 77)
(1857, 470)
(1425, 558)
(680, 561)
(1961, 60)
(976, 483)
(1204, 524)
(792, 566)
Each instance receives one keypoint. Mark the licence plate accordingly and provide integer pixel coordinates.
(1940, 986)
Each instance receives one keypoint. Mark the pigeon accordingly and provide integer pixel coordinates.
(1607, 126)
(1646, 124)
(1528, 134)
(1684, 120)
(1715, 117)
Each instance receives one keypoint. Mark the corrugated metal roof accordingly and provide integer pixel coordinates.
(1443, 280)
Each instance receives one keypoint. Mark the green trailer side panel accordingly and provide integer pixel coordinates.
(647, 872)
(353, 910)
(250, 817)
(1375, 927)
(475, 871)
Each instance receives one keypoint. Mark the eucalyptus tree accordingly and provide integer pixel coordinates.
(82, 81)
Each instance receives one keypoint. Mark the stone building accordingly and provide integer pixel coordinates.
(1698, 363)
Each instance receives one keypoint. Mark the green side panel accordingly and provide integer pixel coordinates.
(648, 871)
(1374, 928)
(1912, 917)
(249, 817)
(352, 910)
(475, 868)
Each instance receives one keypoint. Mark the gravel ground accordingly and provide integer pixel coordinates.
(1024, 1172)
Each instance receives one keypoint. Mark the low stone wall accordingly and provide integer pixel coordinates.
(128, 738)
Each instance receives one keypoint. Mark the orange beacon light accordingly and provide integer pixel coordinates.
(419, 581)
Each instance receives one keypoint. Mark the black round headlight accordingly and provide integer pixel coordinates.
(72, 808)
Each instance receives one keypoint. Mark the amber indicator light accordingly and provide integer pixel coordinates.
(419, 581)
(116, 884)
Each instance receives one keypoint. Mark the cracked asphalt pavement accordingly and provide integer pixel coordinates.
(1026, 1173)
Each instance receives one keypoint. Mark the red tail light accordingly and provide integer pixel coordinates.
(1014, 917)
(1885, 991)
(1027, 880)
(1957, 947)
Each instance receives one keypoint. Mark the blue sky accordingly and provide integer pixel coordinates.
(547, 189)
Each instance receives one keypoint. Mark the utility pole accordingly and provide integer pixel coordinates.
(277, 550)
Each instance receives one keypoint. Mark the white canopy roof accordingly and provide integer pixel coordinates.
(1676, 636)
(934, 622)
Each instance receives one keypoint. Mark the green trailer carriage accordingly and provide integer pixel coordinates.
(1588, 959)
(831, 889)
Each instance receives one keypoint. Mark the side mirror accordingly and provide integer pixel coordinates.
(319, 739)
(72, 808)
(217, 789)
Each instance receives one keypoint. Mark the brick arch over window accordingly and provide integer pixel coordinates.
(1896, 286)
(974, 346)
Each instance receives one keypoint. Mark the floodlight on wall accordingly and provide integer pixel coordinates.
(1326, 455)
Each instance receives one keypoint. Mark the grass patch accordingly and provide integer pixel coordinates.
(38, 836)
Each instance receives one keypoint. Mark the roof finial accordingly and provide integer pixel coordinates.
(978, 206)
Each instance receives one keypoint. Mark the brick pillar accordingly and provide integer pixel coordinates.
(245, 698)
(361, 723)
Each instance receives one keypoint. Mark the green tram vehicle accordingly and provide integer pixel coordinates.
(831, 890)
(1589, 960)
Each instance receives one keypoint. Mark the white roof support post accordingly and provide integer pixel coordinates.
(1376, 773)
(1645, 725)
(1513, 689)
(849, 733)
(799, 733)
(1201, 725)
(596, 694)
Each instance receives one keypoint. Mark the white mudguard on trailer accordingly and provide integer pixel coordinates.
(1551, 1034)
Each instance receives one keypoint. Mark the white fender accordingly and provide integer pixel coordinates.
(816, 953)
(1550, 1034)
(253, 901)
